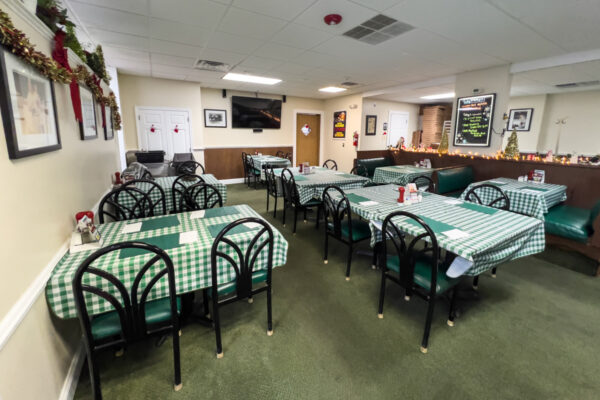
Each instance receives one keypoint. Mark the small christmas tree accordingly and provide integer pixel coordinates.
(443, 147)
(512, 147)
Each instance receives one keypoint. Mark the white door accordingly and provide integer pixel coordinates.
(163, 129)
(398, 128)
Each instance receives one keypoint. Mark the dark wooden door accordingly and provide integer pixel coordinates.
(307, 146)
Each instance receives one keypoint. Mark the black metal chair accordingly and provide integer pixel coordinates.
(154, 191)
(499, 200)
(280, 154)
(291, 198)
(360, 170)
(147, 175)
(253, 172)
(425, 183)
(245, 166)
(180, 184)
(417, 270)
(342, 227)
(330, 164)
(271, 189)
(189, 168)
(200, 196)
(125, 203)
(290, 157)
(226, 253)
(134, 318)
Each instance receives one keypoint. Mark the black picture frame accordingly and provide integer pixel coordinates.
(8, 113)
(371, 125)
(109, 124)
(210, 123)
(85, 92)
(489, 119)
(512, 114)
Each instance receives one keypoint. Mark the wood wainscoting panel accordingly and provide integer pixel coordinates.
(226, 163)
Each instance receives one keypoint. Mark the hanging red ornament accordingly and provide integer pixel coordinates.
(152, 129)
(176, 129)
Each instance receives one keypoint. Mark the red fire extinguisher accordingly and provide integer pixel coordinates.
(355, 139)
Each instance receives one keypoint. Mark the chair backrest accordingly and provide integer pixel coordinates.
(156, 194)
(337, 208)
(425, 183)
(453, 179)
(92, 284)
(289, 157)
(372, 163)
(124, 203)
(280, 153)
(330, 164)
(407, 251)
(147, 175)
(200, 196)
(189, 168)
(271, 181)
(288, 183)
(488, 195)
(179, 186)
(226, 253)
(360, 170)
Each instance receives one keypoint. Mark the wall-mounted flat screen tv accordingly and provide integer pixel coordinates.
(252, 112)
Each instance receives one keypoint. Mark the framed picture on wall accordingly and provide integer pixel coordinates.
(215, 118)
(371, 125)
(28, 108)
(339, 124)
(109, 128)
(88, 128)
(519, 119)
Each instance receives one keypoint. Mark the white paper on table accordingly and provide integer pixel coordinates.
(131, 228)
(188, 237)
(253, 225)
(368, 203)
(458, 267)
(453, 201)
(455, 234)
(497, 182)
(340, 173)
(197, 214)
(530, 191)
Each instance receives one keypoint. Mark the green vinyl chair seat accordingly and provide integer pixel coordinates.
(229, 287)
(422, 274)
(454, 179)
(372, 163)
(360, 229)
(312, 203)
(569, 222)
(108, 324)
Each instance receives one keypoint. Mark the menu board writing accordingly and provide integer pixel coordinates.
(474, 118)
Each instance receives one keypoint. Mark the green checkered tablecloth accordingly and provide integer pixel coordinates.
(260, 162)
(311, 186)
(191, 261)
(527, 198)
(400, 174)
(495, 236)
(166, 183)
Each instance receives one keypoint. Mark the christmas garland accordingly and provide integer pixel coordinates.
(112, 102)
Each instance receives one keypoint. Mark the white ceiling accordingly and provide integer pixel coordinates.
(289, 40)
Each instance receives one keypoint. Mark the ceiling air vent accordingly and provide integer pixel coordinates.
(577, 84)
(215, 66)
(349, 84)
(378, 29)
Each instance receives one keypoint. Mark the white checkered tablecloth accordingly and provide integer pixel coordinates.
(166, 183)
(400, 174)
(527, 198)
(191, 261)
(494, 236)
(260, 162)
(311, 186)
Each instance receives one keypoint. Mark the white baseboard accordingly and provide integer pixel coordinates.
(72, 378)
(232, 181)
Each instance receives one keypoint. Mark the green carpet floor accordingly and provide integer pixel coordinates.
(532, 334)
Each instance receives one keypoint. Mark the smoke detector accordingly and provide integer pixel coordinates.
(332, 19)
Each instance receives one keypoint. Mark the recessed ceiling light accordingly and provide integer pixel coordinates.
(251, 79)
(332, 89)
(439, 96)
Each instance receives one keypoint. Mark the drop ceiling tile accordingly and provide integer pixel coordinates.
(558, 75)
(287, 10)
(138, 71)
(347, 48)
(169, 69)
(179, 33)
(175, 61)
(111, 20)
(207, 76)
(133, 6)
(352, 15)
(174, 49)
(226, 57)
(260, 63)
(119, 39)
(315, 60)
(245, 23)
(233, 43)
(379, 5)
(202, 13)
(291, 68)
(175, 77)
(277, 51)
(119, 52)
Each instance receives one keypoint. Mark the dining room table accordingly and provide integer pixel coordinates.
(481, 237)
(311, 185)
(528, 198)
(186, 237)
(400, 174)
(263, 161)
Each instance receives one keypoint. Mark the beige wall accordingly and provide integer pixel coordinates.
(528, 141)
(382, 109)
(41, 195)
(342, 150)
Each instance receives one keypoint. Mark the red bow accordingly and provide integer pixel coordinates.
(61, 56)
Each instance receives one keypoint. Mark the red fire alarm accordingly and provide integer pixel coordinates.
(332, 19)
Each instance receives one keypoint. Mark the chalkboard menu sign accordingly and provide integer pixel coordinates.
(474, 119)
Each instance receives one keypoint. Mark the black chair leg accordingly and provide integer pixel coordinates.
(452, 305)
(268, 195)
(493, 272)
(217, 322)
(284, 208)
(295, 219)
(269, 313)
(94, 375)
(205, 302)
(176, 359)
(476, 282)
(325, 261)
(381, 293)
(275, 209)
(349, 262)
(318, 217)
(375, 254)
(305, 214)
(425, 340)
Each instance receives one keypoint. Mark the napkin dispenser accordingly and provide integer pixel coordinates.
(86, 235)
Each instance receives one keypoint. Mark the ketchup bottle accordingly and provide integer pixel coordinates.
(118, 180)
(401, 194)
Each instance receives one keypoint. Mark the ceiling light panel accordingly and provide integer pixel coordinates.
(251, 79)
